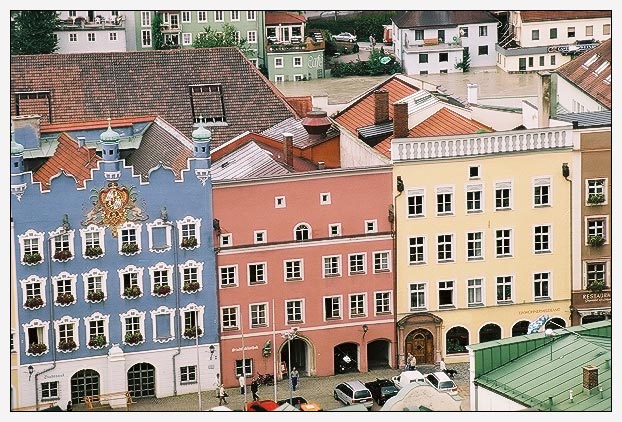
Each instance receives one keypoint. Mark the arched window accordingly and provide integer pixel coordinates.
(555, 324)
(489, 332)
(520, 328)
(456, 340)
(302, 232)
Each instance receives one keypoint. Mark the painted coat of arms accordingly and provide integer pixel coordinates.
(113, 206)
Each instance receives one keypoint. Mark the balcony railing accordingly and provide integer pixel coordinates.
(293, 46)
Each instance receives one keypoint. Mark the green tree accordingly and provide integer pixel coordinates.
(156, 30)
(465, 64)
(32, 32)
(225, 38)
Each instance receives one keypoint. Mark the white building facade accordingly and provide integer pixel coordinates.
(82, 31)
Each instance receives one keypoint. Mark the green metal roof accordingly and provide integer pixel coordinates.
(539, 371)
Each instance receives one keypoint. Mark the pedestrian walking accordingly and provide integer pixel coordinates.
(254, 388)
(222, 395)
(411, 362)
(242, 384)
(294, 377)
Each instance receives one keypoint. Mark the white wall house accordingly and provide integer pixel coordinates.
(574, 100)
(92, 31)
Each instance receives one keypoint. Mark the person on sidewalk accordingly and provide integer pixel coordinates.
(242, 384)
(222, 395)
(294, 376)
(254, 388)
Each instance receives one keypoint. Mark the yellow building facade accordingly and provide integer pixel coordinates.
(483, 238)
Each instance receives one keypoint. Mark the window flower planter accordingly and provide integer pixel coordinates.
(133, 338)
(132, 292)
(189, 242)
(597, 286)
(192, 332)
(97, 342)
(67, 345)
(65, 299)
(62, 255)
(191, 287)
(129, 248)
(95, 295)
(93, 251)
(596, 240)
(37, 349)
(34, 302)
(32, 258)
(596, 199)
(162, 290)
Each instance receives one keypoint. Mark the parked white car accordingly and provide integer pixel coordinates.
(441, 382)
(344, 36)
(406, 377)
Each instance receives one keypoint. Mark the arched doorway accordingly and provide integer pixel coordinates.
(84, 383)
(520, 328)
(345, 358)
(555, 323)
(299, 355)
(489, 332)
(456, 341)
(141, 380)
(420, 343)
(378, 354)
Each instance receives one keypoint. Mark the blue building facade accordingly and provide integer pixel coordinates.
(115, 280)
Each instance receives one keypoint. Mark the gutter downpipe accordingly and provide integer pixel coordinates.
(177, 316)
(400, 189)
(566, 169)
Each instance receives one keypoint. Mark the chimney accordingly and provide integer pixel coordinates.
(590, 377)
(321, 165)
(288, 148)
(472, 93)
(381, 106)
(81, 140)
(544, 97)
(400, 120)
(316, 123)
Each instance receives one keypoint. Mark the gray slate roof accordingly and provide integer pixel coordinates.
(591, 119)
(301, 136)
(441, 18)
(246, 162)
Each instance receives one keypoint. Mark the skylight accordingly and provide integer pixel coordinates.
(591, 60)
(601, 68)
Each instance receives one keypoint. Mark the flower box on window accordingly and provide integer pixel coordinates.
(595, 240)
(37, 349)
(62, 255)
(132, 292)
(95, 295)
(133, 338)
(595, 198)
(32, 258)
(65, 299)
(98, 341)
(192, 332)
(129, 247)
(67, 345)
(189, 242)
(93, 251)
(597, 286)
(162, 290)
(191, 286)
(34, 302)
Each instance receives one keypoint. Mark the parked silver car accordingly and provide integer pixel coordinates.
(353, 392)
(441, 382)
(345, 36)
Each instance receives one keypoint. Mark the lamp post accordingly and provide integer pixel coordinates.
(31, 369)
(290, 335)
(549, 333)
(196, 338)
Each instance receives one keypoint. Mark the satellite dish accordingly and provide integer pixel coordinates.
(455, 38)
(385, 60)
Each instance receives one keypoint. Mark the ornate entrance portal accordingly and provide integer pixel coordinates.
(421, 344)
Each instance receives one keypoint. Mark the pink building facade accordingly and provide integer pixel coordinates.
(312, 253)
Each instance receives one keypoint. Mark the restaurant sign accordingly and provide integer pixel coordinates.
(592, 299)
(572, 48)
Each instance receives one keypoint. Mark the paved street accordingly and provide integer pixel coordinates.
(315, 389)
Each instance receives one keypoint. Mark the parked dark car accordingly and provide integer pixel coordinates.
(382, 390)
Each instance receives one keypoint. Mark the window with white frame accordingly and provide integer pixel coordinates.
(503, 242)
(474, 172)
(67, 334)
(191, 273)
(371, 226)
(474, 198)
(235, 15)
(251, 37)
(113, 36)
(131, 281)
(161, 279)
(257, 273)
(33, 292)
(535, 34)
(228, 275)
(237, 36)
(302, 231)
(298, 77)
(278, 62)
(186, 16)
(259, 315)
(251, 15)
(504, 289)
(357, 263)
(73, 13)
(483, 30)
(186, 38)
(607, 29)
(243, 367)
(93, 245)
(129, 238)
(62, 244)
(49, 391)
(219, 16)
(202, 16)
(571, 32)
(279, 202)
(542, 192)
(358, 306)
(595, 273)
(133, 327)
(189, 232)
(297, 61)
(145, 19)
(279, 78)
(475, 248)
(542, 239)
(73, 37)
(294, 311)
(596, 230)
(35, 335)
(416, 250)
(334, 230)
(417, 296)
(382, 302)
(260, 236)
(415, 200)
(503, 195)
(446, 294)
(12, 340)
(475, 292)
(90, 37)
(444, 200)
(226, 239)
(146, 37)
(97, 330)
(64, 286)
(163, 323)
(95, 285)
(382, 261)
(541, 286)
(192, 317)
(596, 191)
(31, 244)
(229, 317)
(444, 247)
(188, 374)
(293, 269)
(332, 307)
(159, 234)
(325, 198)
(332, 266)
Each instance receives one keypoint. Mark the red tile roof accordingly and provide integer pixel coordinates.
(275, 18)
(442, 123)
(75, 160)
(586, 78)
(302, 105)
(560, 15)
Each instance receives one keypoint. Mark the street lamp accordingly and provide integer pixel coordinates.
(290, 335)
(31, 369)
(549, 333)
